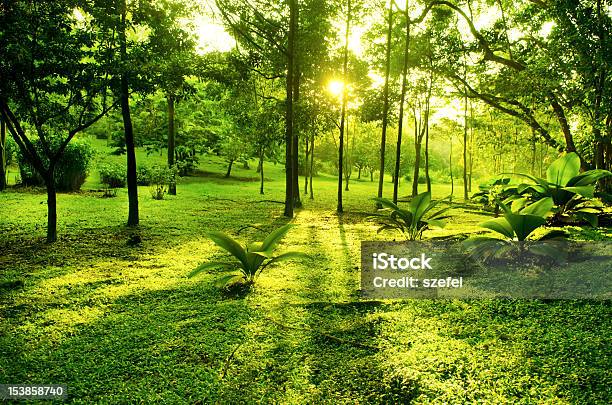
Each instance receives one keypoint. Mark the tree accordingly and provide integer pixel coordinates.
(51, 64)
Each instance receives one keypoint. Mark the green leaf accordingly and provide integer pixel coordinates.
(524, 225)
(585, 191)
(419, 204)
(230, 245)
(499, 225)
(438, 223)
(591, 218)
(540, 208)
(589, 177)
(228, 279)
(206, 266)
(519, 203)
(275, 236)
(562, 170)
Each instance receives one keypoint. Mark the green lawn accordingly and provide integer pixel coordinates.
(121, 323)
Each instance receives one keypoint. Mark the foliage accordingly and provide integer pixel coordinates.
(252, 259)
(414, 220)
(571, 191)
(159, 179)
(71, 169)
(113, 175)
(518, 229)
(493, 191)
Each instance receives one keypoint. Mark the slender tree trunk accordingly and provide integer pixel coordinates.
(311, 171)
(344, 103)
(259, 166)
(471, 148)
(427, 178)
(229, 169)
(171, 139)
(261, 171)
(3, 165)
(359, 174)
(450, 163)
(371, 175)
(51, 205)
(417, 155)
(417, 166)
(385, 117)
(289, 110)
(465, 138)
(306, 165)
(400, 129)
(297, 202)
(133, 217)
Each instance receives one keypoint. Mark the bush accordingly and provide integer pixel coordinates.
(160, 177)
(113, 175)
(143, 176)
(70, 171)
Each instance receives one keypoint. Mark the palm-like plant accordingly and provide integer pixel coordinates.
(251, 259)
(518, 229)
(413, 220)
(571, 191)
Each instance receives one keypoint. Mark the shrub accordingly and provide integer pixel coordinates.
(143, 176)
(70, 171)
(113, 175)
(160, 177)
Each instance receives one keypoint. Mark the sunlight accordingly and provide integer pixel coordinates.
(546, 29)
(335, 87)
(211, 36)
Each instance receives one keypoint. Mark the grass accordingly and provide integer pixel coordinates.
(120, 323)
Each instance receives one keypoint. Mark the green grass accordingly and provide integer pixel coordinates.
(122, 324)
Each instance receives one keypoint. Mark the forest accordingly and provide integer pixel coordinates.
(190, 192)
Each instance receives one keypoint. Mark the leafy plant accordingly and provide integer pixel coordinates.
(113, 175)
(159, 178)
(493, 191)
(250, 260)
(70, 171)
(414, 220)
(571, 191)
(518, 230)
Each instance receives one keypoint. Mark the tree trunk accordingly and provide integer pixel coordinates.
(2, 155)
(289, 110)
(259, 166)
(398, 150)
(371, 175)
(306, 166)
(383, 138)
(465, 136)
(229, 169)
(51, 206)
(450, 163)
(297, 76)
(417, 168)
(344, 103)
(261, 172)
(427, 178)
(133, 217)
(359, 174)
(171, 139)
(311, 171)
